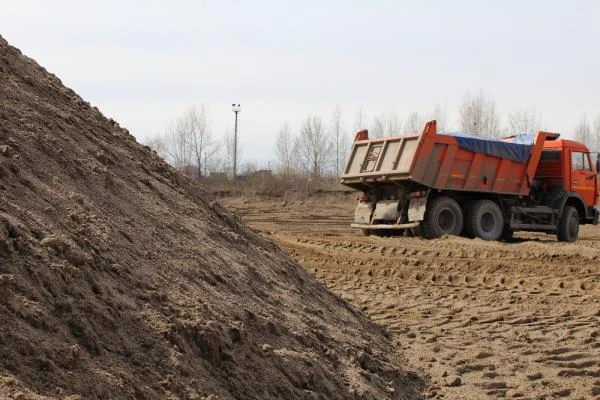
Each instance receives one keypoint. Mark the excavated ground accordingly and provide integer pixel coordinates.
(120, 278)
(483, 319)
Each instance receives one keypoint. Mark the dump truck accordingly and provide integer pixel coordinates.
(433, 184)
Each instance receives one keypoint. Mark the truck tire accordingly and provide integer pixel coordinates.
(417, 232)
(507, 235)
(568, 226)
(485, 220)
(442, 217)
(466, 232)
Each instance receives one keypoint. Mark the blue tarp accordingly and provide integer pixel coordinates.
(518, 149)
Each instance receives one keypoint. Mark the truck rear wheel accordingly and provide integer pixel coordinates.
(466, 232)
(416, 232)
(485, 220)
(507, 235)
(568, 226)
(443, 217)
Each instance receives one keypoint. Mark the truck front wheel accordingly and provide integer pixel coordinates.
(485, 220)
(568, 226)
(443, 217)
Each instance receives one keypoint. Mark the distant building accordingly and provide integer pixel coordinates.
(261, 173)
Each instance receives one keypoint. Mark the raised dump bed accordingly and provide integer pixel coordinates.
(445, 162)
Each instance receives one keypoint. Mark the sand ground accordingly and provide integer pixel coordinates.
(482, 319)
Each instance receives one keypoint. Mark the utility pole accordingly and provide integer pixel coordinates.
(236, 109)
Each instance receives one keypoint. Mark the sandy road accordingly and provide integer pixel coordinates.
(482, 319)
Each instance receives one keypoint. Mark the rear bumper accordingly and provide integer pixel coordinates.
(387, 226)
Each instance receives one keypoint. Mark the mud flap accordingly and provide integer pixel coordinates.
(362, 213)
(416, 209)
(386, 210)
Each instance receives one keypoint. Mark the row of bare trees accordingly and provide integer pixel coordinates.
(188, 144)
(390, 124)
(479, 116)
(318, 148)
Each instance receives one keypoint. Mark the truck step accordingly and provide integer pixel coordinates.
(535, 210)
(541, 227)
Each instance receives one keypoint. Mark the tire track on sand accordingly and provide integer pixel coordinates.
(486, 320)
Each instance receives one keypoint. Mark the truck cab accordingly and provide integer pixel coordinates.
(566, 165)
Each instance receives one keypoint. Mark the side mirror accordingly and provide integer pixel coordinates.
(598, 163)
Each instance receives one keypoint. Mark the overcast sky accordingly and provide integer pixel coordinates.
(144, 62)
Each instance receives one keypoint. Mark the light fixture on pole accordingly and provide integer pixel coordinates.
(236, 109)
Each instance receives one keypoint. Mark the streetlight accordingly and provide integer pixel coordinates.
(236, 109)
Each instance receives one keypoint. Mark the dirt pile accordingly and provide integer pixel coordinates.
(119, 278)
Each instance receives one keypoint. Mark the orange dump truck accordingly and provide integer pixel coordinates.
(434, 184)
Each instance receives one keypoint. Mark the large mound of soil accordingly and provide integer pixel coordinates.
(121, 278)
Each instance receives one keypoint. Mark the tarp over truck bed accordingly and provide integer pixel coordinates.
(445, 162)
(513, 151)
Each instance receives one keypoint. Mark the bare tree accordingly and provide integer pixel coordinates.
(478, 115)
(414, 123)
(158, 143)
(583, 131)
(525, 120)
(379, 126)
(199, 124)
(227, 155)
(340, 141)
(596, 141)
(177, 143)
(189, 142)
(284, 150)
(210, 159)
(312, 147)
(386, 125)
(203, 147)
(360, 121)
(440, 115)
(393, 124)
(249, 168)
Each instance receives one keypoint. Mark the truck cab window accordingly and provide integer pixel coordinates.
(586, 162)
(580, 161)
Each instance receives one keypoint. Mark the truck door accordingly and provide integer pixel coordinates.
(583, 179)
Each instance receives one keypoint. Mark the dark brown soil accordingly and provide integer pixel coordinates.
(120, 278)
